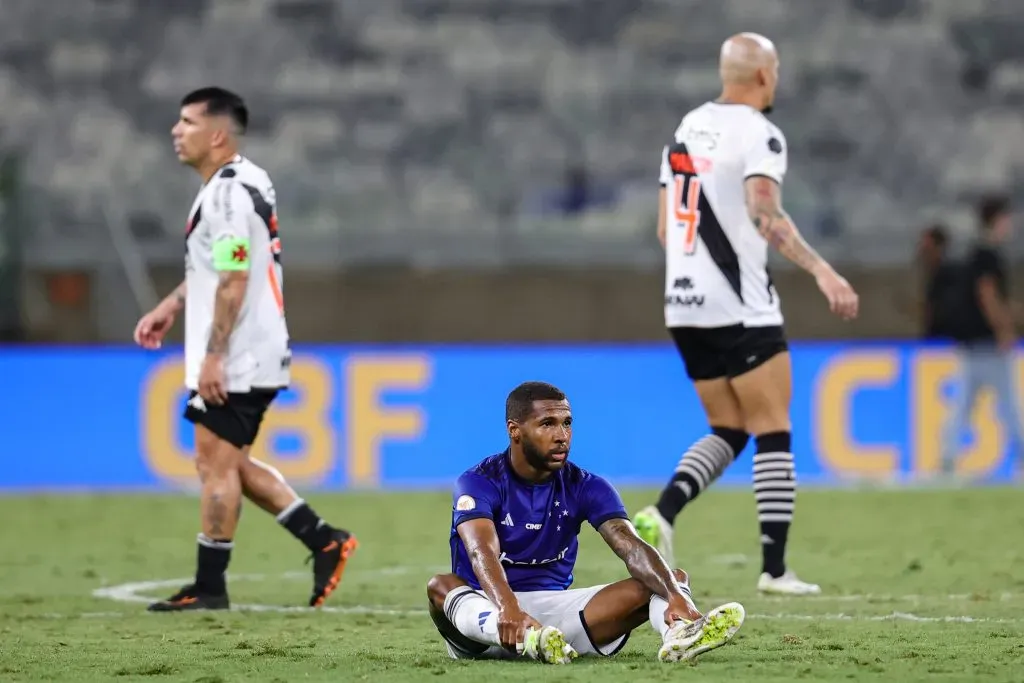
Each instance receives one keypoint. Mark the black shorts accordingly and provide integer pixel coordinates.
(238, 420)
(714, 352)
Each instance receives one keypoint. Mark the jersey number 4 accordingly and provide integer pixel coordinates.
(687, 213)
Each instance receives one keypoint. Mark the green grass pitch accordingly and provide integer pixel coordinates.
(918, 586)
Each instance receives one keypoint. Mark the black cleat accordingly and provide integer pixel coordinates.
(190, 598)
(329, 564)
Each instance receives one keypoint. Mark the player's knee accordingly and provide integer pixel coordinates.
(736, 438)
(681, 576)
(438, 588)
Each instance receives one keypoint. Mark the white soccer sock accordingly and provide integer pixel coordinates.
(282, 517)
(658, 606)
(473, 615)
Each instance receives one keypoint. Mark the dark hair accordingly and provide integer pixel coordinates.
(519, 404)
(220, 102)
(938, 234)
(992, 207)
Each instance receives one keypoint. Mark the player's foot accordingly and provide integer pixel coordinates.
(190, 598)
(548, 645)
(686, 640)
(787, 584)
(654, 529)
(329, 564)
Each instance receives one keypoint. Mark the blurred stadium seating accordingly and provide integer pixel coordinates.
(473, 112)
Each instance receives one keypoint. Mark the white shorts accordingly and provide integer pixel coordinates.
(564, 611)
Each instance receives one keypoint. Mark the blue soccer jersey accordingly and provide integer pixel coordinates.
(537, 524)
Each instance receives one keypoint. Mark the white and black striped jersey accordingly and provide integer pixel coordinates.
(233, 226)
(716, 262)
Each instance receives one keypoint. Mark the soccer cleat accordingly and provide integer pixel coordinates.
(787, 584)
(686, 640)
(329, 564)
(188, 599)
(654, 529)
(548, 645)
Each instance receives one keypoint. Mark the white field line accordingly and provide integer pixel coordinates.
(140, 592)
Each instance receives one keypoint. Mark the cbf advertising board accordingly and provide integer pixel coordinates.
(366, 417)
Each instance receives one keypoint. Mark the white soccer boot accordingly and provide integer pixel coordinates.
(654, 529)
(787, 584)
(548, 645)
(687, 639)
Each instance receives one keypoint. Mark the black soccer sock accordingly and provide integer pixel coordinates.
(305, 525)
(211, 563)
(699, 467)
(775, 493)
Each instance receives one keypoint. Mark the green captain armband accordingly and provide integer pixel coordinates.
(231, 254)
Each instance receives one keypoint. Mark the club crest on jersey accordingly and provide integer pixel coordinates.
(465, 503)
(775, 145)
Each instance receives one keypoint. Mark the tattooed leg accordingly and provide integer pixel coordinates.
(220, 505)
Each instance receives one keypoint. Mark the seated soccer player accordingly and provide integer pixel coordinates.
(514, 531)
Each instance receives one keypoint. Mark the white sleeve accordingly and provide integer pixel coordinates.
(227, 209)
(766, 153)
(665, 177)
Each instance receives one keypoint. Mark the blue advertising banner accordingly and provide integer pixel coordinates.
(109, 419)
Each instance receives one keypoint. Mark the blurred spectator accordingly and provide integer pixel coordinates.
(939, 307)
(985, 333)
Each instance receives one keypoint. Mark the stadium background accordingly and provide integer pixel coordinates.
(466, 196)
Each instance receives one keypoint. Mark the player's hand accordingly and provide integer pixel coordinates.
(512, 625)
(153, 327)
(680, 609)
(842, 300)
(212, 385)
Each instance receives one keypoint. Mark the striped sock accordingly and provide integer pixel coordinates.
(775, 493)
(699, 467)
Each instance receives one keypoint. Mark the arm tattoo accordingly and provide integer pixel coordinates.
(764, 204)
(643, 561)
(228, 302)
(179, 294)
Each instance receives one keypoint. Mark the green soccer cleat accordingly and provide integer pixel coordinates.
(653, 529)
(548, 645)
(686, 640)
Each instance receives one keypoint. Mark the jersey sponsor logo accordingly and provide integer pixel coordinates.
(696, 301)
(683, 283)
(688, 300)
(465, 503)
(533, 527)
(775, 145)
(505, 559)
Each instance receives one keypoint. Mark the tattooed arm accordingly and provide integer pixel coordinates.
(644, 563)
(175, 301)
(227, 304)
(764, 205)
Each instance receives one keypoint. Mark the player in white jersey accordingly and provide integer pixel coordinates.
(720, 208)
(236, 349)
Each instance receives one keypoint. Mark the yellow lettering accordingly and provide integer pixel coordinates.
(163, 394)
(836, 388)
(932, 411)
(370, 423)
(308, 418)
